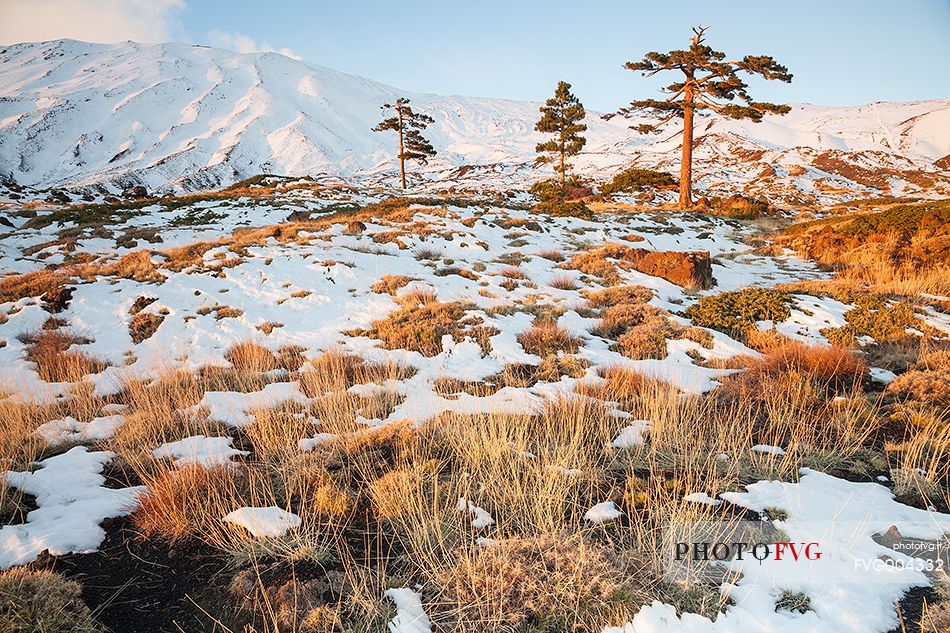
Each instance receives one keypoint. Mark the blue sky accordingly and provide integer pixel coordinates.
(840, 51)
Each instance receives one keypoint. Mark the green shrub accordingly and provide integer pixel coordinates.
(739, 310)
(555, 207)
(550, 190)
(793, 601)
(42, 602)
(904, 218)
(633, 179)
(876, 318)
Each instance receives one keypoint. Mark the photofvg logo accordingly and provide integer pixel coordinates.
(720, 551)
(813, 553)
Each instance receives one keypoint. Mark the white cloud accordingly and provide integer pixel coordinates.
(243, 44)
(90, 20)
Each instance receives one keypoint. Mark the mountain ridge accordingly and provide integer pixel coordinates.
(179, 116)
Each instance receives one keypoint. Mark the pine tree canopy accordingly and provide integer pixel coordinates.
(409, 124)
(417, 147)
(561, 116)
(709, 83)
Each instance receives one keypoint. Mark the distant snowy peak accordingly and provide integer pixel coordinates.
(179, 116)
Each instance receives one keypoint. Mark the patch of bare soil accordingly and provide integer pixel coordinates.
(141, 586)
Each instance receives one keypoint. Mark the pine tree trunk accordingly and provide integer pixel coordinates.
(686, 169)
(402, 159)
(563, 191)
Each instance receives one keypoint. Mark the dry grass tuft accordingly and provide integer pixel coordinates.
(552, 254)
(336, 372)
(641, 330)
(556, 581)
(43, 602)
(617, 295)
(185, 502)
(563, 282)
(136, 265)
(155, 416)
(35, 284)
(143, 325)
(932, 386)
(390, 284)
(620, 384)
(50, 351)
(397, 493)
(512, 272)
(420, 323)
(548, 338)
(252, 357)
(832, 369)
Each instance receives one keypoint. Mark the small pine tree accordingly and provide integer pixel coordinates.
(561, 116)
(708, 83)
(412, 145)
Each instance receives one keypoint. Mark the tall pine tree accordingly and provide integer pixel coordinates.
(412, 145)
(561, 116)
(708, 83)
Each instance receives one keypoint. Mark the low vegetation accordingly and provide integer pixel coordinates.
(635, 179)
(736, 311)
(421, 321)
(902, 249)
(479, 507)
(43, 602)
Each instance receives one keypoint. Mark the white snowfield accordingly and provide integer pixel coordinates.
(180, 116)
(337, 298)
(848, 587)
(72, 501)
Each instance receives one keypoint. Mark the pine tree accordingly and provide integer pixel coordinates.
(561, 116)
(709, 83)
(412, 145)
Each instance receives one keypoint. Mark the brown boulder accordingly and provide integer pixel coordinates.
(354, 228)
(689, 270)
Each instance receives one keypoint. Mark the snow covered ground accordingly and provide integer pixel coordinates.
(315, 291)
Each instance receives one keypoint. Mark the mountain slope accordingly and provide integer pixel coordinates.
(75, 114)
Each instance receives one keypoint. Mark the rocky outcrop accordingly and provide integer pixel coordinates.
(689, 270)
(686, 269)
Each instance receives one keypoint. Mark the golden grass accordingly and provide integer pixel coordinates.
(143, 325)
(548, 338)
(563, 282)
(421, 321)
(921, 463)
(249, 356)
(155, 415)
(640, 329)
(536, 476)
(38, 283)
(559, 580)
(617, 295)
(390, 284)
(38, 601)
(49, 351)
(898, 263)
(136, 265)
(832, 368)
(183, 502)
(552, 254)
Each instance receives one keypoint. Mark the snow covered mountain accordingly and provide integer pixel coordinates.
(185, 117)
